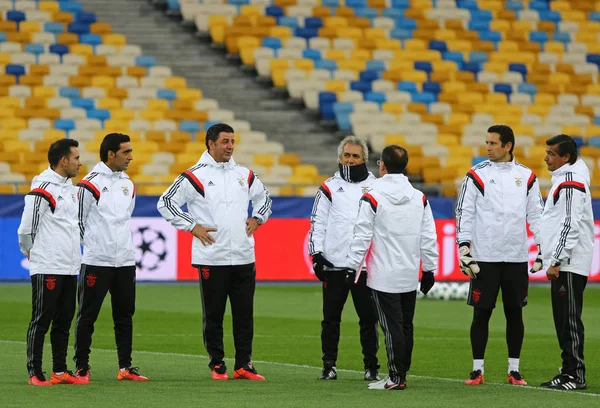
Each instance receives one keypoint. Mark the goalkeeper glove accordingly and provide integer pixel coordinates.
(468, 265)
(537, 265)
(319, 262)
(427, 281)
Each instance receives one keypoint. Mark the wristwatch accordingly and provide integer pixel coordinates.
(555, 263)
(258, 220)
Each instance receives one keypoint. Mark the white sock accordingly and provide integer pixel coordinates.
(513, 364)
(60, 373)
(478, 365)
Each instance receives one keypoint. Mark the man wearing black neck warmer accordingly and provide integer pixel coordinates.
(333, 217)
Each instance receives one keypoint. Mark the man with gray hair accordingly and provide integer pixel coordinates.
(332, 220)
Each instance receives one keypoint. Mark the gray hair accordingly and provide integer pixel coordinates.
(353, 140)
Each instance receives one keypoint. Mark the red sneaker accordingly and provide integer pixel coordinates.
(219, 372)
(66, 378)
(475, 378)
(83, 375)
(514, 378)
(131, 374)
(248, 372)
(39, 380)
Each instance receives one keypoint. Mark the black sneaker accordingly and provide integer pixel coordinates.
(371, 374)
(328, 373)
(565, 382)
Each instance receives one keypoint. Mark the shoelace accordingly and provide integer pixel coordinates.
(516, 375)
(134, 370)
(40, 376)
(474, 374)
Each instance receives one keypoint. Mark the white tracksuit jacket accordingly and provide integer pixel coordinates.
(568, 222)
(494, 204)
(106, 202)
(333, 217)
(395, 230)
(217, 195)
(49, 231)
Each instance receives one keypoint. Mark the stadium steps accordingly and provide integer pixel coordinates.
(209, 70)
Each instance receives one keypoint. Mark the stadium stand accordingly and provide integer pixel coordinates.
(64, 74)
(431, 74)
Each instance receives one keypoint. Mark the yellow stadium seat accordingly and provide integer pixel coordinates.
(395, 108)
(108, 103)
(376, 33)
(305, 64)
(29, 27)
(175, 82)
(16, 123)
(163, 105)
(454, 87)
(334, 85)
(559, 79)
(306, 170)
(414, 44)
(103, 82)
(289, 159)
(444, 35)
(280, 32)
(499, 67)
(81, 49)
(349, 32)
(67, 38)
(332, 54)
(100, 28)
(352, 65)
(266, 160)
(544, 99)
(541, 110)
(508, 46)
(414, 76)
(249, 10)
(114, 125)
(48, 6)
(573, 130)
(396, 65)
(114, 39)
(151, 115)
(469, 98)
(496, 98)
(458, 119)
(592, 131)
(16, 146)
(189, 94)
(54, 134)
(500, 25)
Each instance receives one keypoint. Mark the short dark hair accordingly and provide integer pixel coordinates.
(506, 135)
(214, 131)
(112, 143)
(566, 144)
(59, 149)
(395, 159)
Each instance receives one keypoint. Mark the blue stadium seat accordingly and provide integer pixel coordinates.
(468, 4)
(314, 55)
(478, 56)
(209, 123)
(492, 36)
(343, 121)
(83, 103)
(330, 3)
(477, 25)
(190, 126)
(594, 16)
(313, 22)
(503, 88)
(437, 45)
(356, 3)
(92, 39)
(146, 61)
(366, 12)
(455, 56)
(78, 28)
(377, 97)
(85, 17)
(54, 28)
(64, 124)
(596, 120)
(518, 67)
(69, 92)
(481, 15)
(400, 4)
(36, 49)
(392, 13)
(401, 34)
(593, 59)
(514, 5)
(70, 6)
(538, 5)
(432, 87)
(594, 141)
(59, 49)
(476, 160)
(361, 86)
(550, 16)
(527, 88)
(326, 108)
(423, 66)
(173, 5)
(100, 114)
(473, 67)
(168, 94)
(2, 36)
(307, 32)
(538, 36)
(239, 2)
(16, 16)
(406, 23)
(407, 86)
(329, 65)
(287, 21)
(271, 42)
(368, 76)
(375, 65)
(562, 37)
(327, 98)
(578, 141)
(15, 70)
(343, 108)
(274, 11)
(423, 97)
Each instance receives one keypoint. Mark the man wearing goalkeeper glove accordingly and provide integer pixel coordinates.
(497, 199)
(333, 216)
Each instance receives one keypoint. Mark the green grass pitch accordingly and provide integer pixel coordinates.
(168, 348)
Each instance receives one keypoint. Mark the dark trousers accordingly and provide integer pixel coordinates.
(217, 283)
(396, 312)
(335, 294)
(567, 305)
(53, 301)
(94, 283)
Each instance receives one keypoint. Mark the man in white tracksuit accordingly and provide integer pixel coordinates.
(567, 248)
(106, 202)
(333, 216)
(497, 199)
(217, 192)
(48, 236)
(394, 231)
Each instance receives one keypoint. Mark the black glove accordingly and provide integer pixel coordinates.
(319, 262)
(427, 281)
(350, 277)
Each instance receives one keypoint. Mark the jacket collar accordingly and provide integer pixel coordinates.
(102, 168)
(53, 177)
(207, 159)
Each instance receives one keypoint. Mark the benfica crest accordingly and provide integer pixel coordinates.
(90, 280)
(364, 189)
(205, 273)
(125, 190)
(476, 295)
(518, 181)
(241, 181)
(50, 282)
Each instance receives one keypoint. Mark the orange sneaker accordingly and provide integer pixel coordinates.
(248, 372)
(131, 374)
(219, 372)
(514, 378)
(66, 378)
(83, 375)
(475, 378)
(39, 380)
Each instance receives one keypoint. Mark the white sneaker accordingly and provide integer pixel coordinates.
(387, 384)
